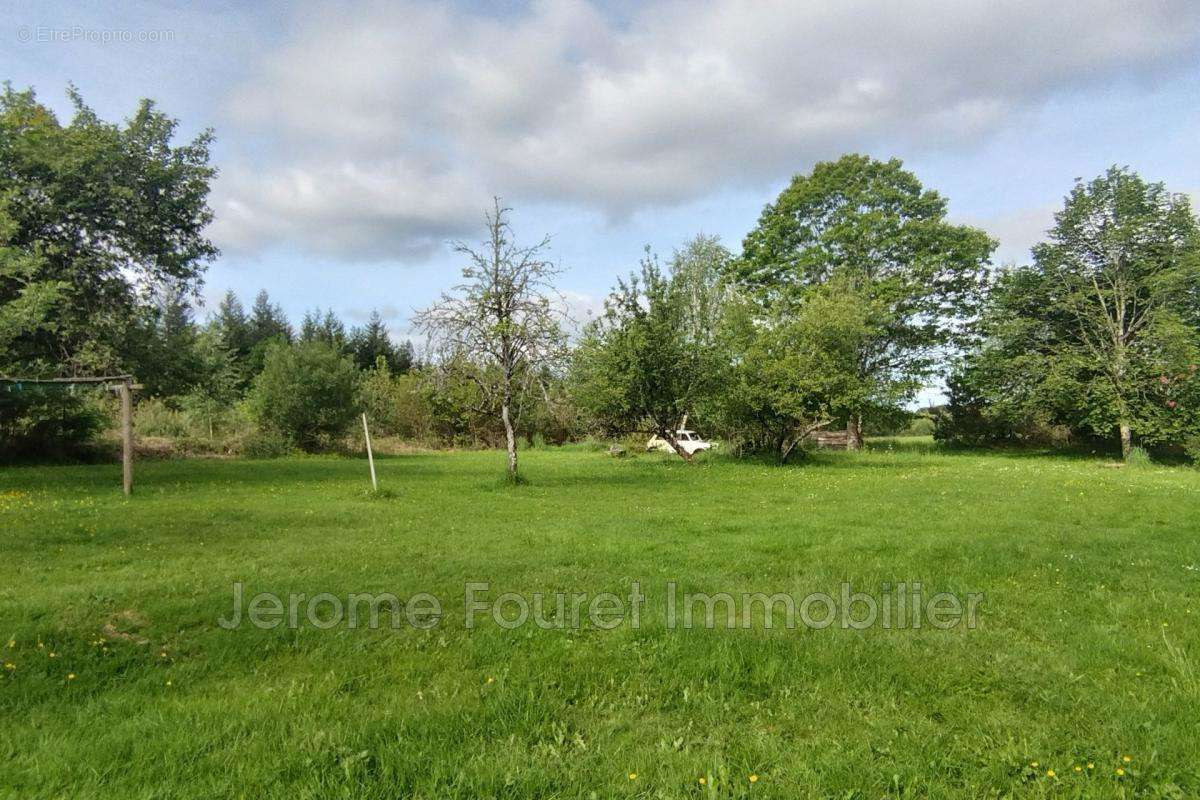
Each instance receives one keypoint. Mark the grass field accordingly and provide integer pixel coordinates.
(1086, 659)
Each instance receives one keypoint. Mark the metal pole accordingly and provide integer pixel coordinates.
(370, 457)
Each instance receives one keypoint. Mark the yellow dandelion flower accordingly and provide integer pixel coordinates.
(703, 781)
(1049, 773)
(754, 779)
(1127, 759)
(53, 654)
(491, 680)
(1091, 765)
(1033, 764)
(1120, 771)
(633, 776)
(70, 676)
(1078, 768)
(9, 665)
(168, 683)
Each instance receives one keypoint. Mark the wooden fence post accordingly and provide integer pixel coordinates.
(126, 392)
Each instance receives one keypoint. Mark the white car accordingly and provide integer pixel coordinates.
(689, 441)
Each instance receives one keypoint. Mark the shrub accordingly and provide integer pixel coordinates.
(266, 444)
(306, 393)
(153, 417)
(44, 421)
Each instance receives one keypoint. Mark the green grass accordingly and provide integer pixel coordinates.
(1087, 648)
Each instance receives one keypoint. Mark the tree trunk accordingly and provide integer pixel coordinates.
(1126, 440)
(854, 440)
(510, 439)
(684, 454)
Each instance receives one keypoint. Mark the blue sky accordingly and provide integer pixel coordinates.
(355, 139)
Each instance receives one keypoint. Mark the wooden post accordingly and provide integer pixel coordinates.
(126, 392)
(370, 457)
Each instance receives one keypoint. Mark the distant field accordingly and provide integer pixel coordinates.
(1087, 649)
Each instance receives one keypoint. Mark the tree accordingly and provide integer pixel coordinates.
(698, 269)
(232, 326)
(218, 384)
(789, 370)
(871, 226)
(306, 392)
(327, 328)
(638, 367)
(267, 323)
(1101, 332)
(371, 342)
(27, 302)
(500, 321)
(162, 346)
(97, 212)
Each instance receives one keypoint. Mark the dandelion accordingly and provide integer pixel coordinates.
(491, 680)
(753, 778)
(1091, 765)
(53, 654)
(1078, 768)
(168, 683)
(70, 676)
(1049, 773)
(633, 776)
(9, 665)
(1120, 771)
(703, 781)
(1127, 759)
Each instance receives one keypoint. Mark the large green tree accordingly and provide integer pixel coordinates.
(1102, 332)
(640, 366)
(306, 392)
(871, 227)
(94, 214)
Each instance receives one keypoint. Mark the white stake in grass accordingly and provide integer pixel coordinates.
(370, 457)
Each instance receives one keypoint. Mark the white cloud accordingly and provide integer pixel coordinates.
(1017, 232)
(382, 131)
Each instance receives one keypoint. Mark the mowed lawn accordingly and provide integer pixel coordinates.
(1087, 650)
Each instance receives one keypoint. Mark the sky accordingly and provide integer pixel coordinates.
(355, 141)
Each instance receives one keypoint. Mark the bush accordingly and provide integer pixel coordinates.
(306, 393)
(153, 417)
(396, 404)
(267, 444)
(46, 421)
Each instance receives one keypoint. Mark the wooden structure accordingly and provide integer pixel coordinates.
(123, 386)
(832, 440)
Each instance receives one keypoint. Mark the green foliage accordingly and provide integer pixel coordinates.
(90, 210)
(371, 342)
(638, 367)
(49, 420)
(396, 405)
(26, 300)
(153, 417)
(869, 227)
(267, 443)
(1101, 332)
(306, 392)
(790, 368)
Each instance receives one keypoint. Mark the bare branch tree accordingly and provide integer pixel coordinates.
(502, 320)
